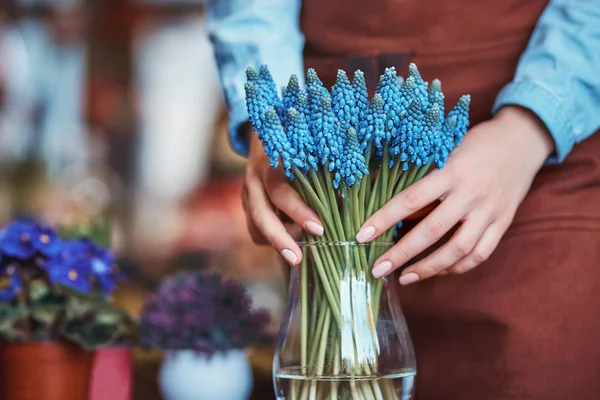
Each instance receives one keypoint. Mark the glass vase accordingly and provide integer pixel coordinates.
(344, 335)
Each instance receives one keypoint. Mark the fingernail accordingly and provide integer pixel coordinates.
(314, 227)
(381, 269)
(409, 278)
(365, 234)
(289, 256)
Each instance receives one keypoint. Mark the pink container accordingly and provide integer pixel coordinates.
(112, 374)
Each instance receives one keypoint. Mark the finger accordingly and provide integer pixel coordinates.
(460, 245)
(265, 220)
(482, 251)
(255, 234)
(294, 230)
(258, 238)
(422, 236)
(422, 212)
(406, 203)
(288, 201)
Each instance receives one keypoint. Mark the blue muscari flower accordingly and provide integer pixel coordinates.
(301, 141)
(312, 78)
(266, 83)
(359, 86)
(329, 145)
(390, 93)
(316, 91)
(446, 142)
(432, 126)
(260, 93)
(435, 95)
(373, 127)
(318, 107)
(461, 112)
(407, 94)
(352, 165)
(303, 106)
(376, 119)
(275, 142)
(256, 107)
(344, 100)
(410, 141)
(251, 75)
(290, 97)
(315, 96)
(420, 90)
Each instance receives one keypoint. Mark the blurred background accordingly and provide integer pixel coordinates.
(112, 108)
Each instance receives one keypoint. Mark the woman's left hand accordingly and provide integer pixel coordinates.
(484, 181)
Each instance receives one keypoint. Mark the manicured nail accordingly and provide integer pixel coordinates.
(314, 227)
(289, 256)
(381, 269)
(365, 234)
(409, 278)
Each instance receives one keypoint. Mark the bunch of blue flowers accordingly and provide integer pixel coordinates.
(48, 282)
(339, 145)
(347, 156)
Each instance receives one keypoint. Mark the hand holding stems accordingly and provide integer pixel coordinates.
(481, 186)
(267, 189)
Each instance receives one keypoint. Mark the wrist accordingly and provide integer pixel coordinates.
(526, 127)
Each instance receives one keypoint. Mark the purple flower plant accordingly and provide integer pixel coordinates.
(203, 312)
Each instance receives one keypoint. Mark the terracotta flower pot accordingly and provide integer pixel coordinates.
(112, 374)
(48, 371)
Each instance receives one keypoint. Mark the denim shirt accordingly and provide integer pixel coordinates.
(557, 78)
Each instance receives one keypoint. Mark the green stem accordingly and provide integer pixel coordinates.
(422, 171)
(333, 304)
(374, 197)
(393, 180)
(385, 171)
(304, 314)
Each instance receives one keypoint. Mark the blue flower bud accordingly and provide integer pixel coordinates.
(359, 85)
(435, 95)
(251, 75)
(312, 78)
(344, 99)
(300, 140)
(291, 93)
(461, 112)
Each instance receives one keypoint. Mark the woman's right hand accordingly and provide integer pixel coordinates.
(267, 194)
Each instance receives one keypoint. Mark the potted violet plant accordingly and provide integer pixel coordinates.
(54, 312)
(204, 323)
(112, 369)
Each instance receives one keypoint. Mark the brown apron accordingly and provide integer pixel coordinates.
(525, 324)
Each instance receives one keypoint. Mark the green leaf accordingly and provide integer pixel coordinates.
(10, 316)
(38, 291)
(90, 335)
(111, 316)
(47, 314)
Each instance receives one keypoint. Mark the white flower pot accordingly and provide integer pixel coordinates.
(186, 375)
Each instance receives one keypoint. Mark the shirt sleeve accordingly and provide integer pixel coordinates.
(249, 33)
(558, 75)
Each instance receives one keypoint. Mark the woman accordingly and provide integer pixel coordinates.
(523, 187)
